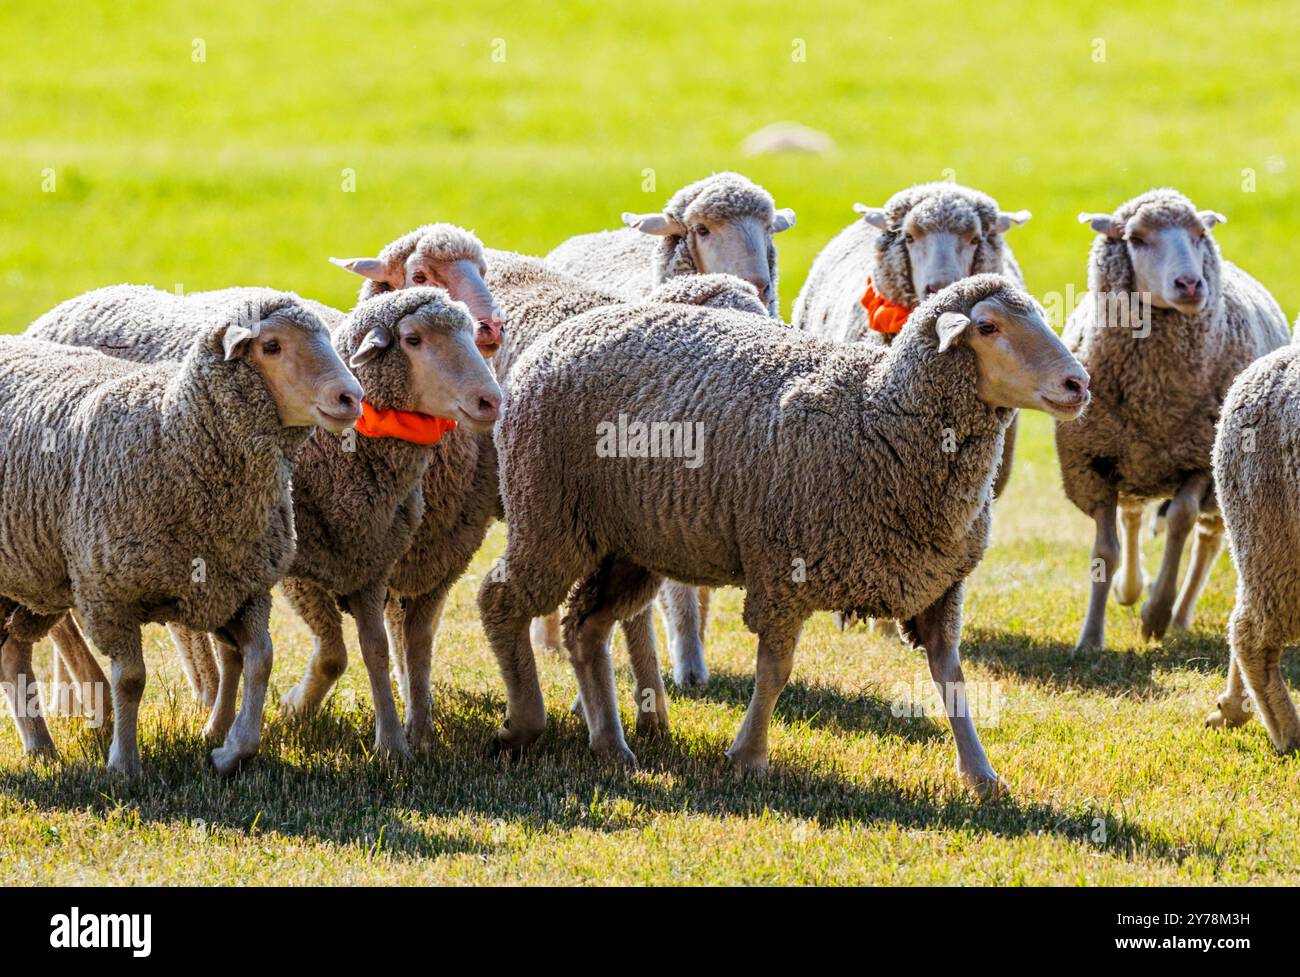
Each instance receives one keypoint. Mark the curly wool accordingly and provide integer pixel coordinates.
(713, 291)
(633, 263)
(801, 440)
(829, 303)
(1156, 400)
(435, 243)
(94, 442)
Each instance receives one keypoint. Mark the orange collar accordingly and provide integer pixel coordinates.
(882, 314)
(402, 424)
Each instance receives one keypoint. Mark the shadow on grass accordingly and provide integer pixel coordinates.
(317, 781)
(820, 707)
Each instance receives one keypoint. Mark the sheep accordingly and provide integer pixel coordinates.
(1165, 327)
(358, 501)
(1255, 461)
(94, 442)
(721, 224)
(785, 482)
(922, 240)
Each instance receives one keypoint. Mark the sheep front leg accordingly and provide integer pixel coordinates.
(1132, 581)
(1234, 704)
(1183, 510)
(776, 643)
(251, 631)
(367, 607)
(683, 607)
(1205, 550)
(1105, 554)
(230, 666)
(395, 625)
(939, 629)
(504, 611)
(419, 627)
(651, 697)
(23, 693)
(1260, 662)
(121, 641)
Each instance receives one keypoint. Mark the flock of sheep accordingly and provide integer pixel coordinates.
(169, 459)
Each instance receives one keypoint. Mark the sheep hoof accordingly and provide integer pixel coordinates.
(618, 752)
(293, 704)
(226, 760)
(1155, 620)
(420, 735)
(575, 706)
(1230, 713)
(512, 740)
(125, 766)
(989, 788)
(393, 749)
(1124, 595)
(748, 763)
(651, 725)
(694, 675)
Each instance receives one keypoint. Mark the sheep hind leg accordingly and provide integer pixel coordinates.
(121, 642)
(250, 630)
(367, 608)
(329, 659)
(1233, 704)
(20, 685)
(1183, 512)
(1131, 581)
(395, 624)
(1205, 550)
(1260, 662)
(776, 642)
(618, 589)
(546, 632)
(89, 683)
(230, 666)
(1105, 555)
(199, 662)
(651, 699)
(684, 608)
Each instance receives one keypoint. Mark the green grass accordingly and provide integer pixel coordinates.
(229, 171)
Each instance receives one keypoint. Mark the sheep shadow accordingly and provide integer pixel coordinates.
(819, 707)
(317, 781)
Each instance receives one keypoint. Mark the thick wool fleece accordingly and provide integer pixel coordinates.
(829, 303)
(1256, 457)
(437, 243)
(633, 263)
(801, 439)
(145, 325)
(713, 291)
(116, 479)
(1156, 400)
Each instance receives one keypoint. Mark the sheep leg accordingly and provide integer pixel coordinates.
(198, 662)
(1260, 662)
(24, 695)
(1205, 550)
(1105, 554)
(318, 609)
(682, 607)
(89, 681)
(939, 629)
(251, 631)
(506, 612)
(651, 697)
(127, 677)
(222, 716)
(421, 625)
(546, 632)
(1132, 581)
(1234, 706)
(1183, 510)
(367, 608)
(61, 694)
(776, 643)
(395, 626)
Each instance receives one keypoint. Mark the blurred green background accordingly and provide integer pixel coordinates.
(230, 170)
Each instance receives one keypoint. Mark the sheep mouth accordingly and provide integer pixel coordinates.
(335, 423)
(1065, 410)
(478, 423)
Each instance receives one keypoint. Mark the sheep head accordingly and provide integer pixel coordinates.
(935, 234)
(1159, 244)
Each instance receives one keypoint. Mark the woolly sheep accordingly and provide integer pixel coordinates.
(721, 224)
(1255, 462)
(1166, 326)
(922, 240)
(93, 442)
(768, 511)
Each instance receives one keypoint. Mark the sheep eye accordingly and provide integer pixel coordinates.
(701, 231)
(412, 340)
(1137, 242)
(986, 328)
(910, 239)
(419, 278)
(271, 347)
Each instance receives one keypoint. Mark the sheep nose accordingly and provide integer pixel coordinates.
(1075, 387)
(934, 288)
(488, 333)
(348, 403)
(489, 407)
(1189, 285)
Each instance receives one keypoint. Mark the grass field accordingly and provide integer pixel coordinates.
(231, 169)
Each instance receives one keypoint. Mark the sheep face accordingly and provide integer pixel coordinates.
(427, 362)
(1169, 249)
(304, 375)
(1020, 361)
(463, 279)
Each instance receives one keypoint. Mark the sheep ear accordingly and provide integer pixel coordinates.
(949, 328)
(235, 339)
(1103, 224)
(660, 225)
(375, 342)
(783, 221)
(371, 268)
(1211, 217)
(875, 216)
(1008, 219)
